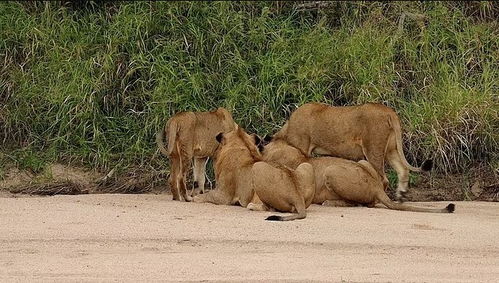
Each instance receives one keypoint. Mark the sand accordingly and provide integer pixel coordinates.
(150, 237)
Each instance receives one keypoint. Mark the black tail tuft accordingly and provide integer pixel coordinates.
(451, 207)
(427, 165)
(274, 218)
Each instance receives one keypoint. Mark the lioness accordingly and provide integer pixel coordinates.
(283, 189)
(339, 182)
(358, 182)
(243, 179)
(191, 135)
(233, 164)
(370, 131)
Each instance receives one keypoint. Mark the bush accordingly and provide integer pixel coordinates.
(92, 83)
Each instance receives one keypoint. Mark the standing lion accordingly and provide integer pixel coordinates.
(370, 131)
(191, 135)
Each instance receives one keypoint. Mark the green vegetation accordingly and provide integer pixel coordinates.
(92, 83)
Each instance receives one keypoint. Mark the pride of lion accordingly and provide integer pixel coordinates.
(281, 173)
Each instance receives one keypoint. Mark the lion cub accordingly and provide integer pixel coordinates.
(243, 179)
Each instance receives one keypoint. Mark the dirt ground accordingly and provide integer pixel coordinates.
(150, 237)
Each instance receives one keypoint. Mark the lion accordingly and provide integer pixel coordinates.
(338, 181)
(358, 182)
(282, 189)
(242, 178)
(191, 135)
(233, 164)
(370, 131)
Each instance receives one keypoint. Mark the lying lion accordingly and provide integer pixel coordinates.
(358, 182)
(283, 189)
(370, 131)
(243, 179)
(191, 135)
(339, 182)
(233, 169)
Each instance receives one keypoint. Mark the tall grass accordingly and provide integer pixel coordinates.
(92, 83)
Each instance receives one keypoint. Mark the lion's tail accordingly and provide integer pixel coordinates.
(301, 215)
(395, 124)
(384, 199)
(171, 127)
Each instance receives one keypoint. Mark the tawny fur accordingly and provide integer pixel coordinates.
(339, 182)
(284, 189)
(370, 131)
(242, 178)
(233, 170)
(191, 135)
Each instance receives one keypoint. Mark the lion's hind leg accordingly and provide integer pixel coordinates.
(183, 182)
(174, 178)
(375, 155)
(402, 174)
(180, 163)
(199, 174)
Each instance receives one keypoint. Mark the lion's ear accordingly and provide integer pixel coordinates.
(219, 137)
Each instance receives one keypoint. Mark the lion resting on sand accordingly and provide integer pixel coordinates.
(283, 189)
(369, 131)
(243, 179)
(339, 182)
(358, 182)
(191, 135)
(233, 162)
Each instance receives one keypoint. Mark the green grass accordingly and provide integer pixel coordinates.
(91, 84)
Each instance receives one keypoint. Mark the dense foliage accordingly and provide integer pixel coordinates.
(92, 82)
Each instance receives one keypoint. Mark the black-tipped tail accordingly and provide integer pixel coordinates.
(427, 165)
(293, 216)
(451, 207)
(274, 218)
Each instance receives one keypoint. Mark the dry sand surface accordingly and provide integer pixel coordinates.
(150, 237)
